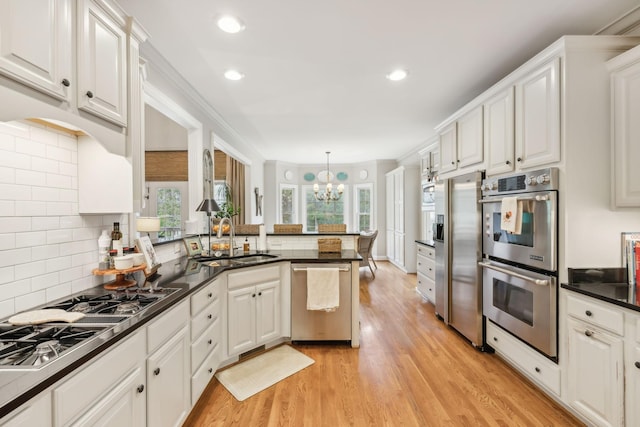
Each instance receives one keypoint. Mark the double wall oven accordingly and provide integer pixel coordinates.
(520, 268)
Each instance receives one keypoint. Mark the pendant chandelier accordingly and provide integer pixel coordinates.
(328, 195)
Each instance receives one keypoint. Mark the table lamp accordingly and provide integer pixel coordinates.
(208, 206)
(148, 224)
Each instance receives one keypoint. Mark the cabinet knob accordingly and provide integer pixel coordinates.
(508, 162)
(537, 369)
(156, 371)
(209, 342)
(140, 388)
(89, 94)
(210, 316)
(254, 295)
(453, 163)
(66, 83)
(458, 161)
(495, 339)
(209, 295)
(519, 159)
(588, 333)
(588, 313)
(259, 293)
(637, 365)
(210, 370)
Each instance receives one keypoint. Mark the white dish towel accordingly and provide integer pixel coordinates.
(511, 215)
(323, 289)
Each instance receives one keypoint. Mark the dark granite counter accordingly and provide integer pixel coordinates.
(425, 243)
(606, 284)
(186, 275)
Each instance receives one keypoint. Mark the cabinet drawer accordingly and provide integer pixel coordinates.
(205, 343)
(204, 374)
(167, 325)
(203, 297)
(251, 276)
(427, 267)
(92, 381)
(204, 319)
(426, 251)
(427, 287)
(532, 364)
(596, 314)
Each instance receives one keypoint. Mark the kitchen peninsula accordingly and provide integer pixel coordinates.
(185, 336)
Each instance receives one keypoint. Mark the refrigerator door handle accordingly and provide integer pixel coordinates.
(539, 282)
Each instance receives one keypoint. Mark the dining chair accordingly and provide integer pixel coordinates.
(365, 245)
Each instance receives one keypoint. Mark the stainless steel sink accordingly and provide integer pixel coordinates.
(253, 259)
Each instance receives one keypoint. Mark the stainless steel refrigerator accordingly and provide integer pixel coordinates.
(458, 275)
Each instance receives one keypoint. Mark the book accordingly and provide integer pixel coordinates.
(143, 243)
(636, 265)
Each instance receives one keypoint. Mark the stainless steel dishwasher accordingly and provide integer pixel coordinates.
(318, 325)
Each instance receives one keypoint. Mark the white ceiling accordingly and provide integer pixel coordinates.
(315, 71)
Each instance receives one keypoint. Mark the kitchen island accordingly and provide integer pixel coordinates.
(198, 287)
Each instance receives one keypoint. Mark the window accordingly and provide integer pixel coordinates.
(316, 212)
(169, 206)
(287, 208)
(363, 202)
(220, 191)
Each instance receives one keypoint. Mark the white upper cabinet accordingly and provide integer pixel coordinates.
(35, 44)
(625, 129)
(538, 116)
(469, 144)
(499, 132)
(102, 70)
(448, 154)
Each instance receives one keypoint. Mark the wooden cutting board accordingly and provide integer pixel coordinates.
(37, 317)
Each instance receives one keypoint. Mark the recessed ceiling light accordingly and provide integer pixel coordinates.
(233, 75)
(397, 75)
(230, 24)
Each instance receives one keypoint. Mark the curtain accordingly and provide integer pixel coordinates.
(235, 178)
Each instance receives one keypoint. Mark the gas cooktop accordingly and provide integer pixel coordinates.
(34, 346)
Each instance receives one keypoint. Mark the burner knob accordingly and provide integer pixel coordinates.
(543, 179)
(530, 180)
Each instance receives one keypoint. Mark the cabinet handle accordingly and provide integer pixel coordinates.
(588, 313)
(519, 159)
(209, 342)
(588, 333)
(140, 388)
(89, 94)
(210, 370)
(210, 316)
(537, 369)
(209, 295)
(637, 365)
(66, 83)
(508, 162)
(156, 371)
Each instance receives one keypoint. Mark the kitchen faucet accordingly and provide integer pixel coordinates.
(231, 233)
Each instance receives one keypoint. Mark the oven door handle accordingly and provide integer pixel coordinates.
(539, 282)
(537, 198)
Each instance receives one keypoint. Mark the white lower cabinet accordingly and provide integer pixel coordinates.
(206, 336)
(107, 391)
(253, 308)
(595, 372)
(168, 368)
(536, 367)
(36, 412)
(633, 386)
(426, 269)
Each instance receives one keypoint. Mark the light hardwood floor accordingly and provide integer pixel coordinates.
(410, 370)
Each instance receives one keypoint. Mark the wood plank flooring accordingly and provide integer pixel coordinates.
(411, 370)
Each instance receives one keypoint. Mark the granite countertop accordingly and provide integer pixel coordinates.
(606, 284)
(426, 243)
(186, 275)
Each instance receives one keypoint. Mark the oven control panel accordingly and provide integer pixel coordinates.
(521, 182)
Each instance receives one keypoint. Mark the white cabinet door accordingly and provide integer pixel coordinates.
(626, 134)
(595, 374)
(633, 387)
(241, 319)
(36, 412)
(123, 406)
(398, 194)
(168, 381)
(499, 132)
(435, 161)
(448, 149)
(538, 116)
(35, 44)
(268, 311)
(470, 138)
(102, 71)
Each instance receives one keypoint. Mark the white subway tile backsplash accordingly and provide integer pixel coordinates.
(7, 142)
(30, 177)
(45, 194)
(62, 208)
(44, 165)
(29, 208)
(56, 292)
(15, 224)
(71, 274)
(69, 169)
(45, 222)
(15, 256)
(68, 195)
(7, 241)
(68, 142)
(32, 148)
(58, 264)
(15, 289)
(15, 160)
(7, 208)
(44, 281)
(15, 192)
(71, 248)
(27, 301)
(31, 238)
(7, 308)
(76, 222)
(20, 129)
(43, 134)
(32, 269)
(59, 154)
(88, 282)
(7, 274)
(58, 181)
(60, 236)
(85, 258)
(39, 253)
(8, 175)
